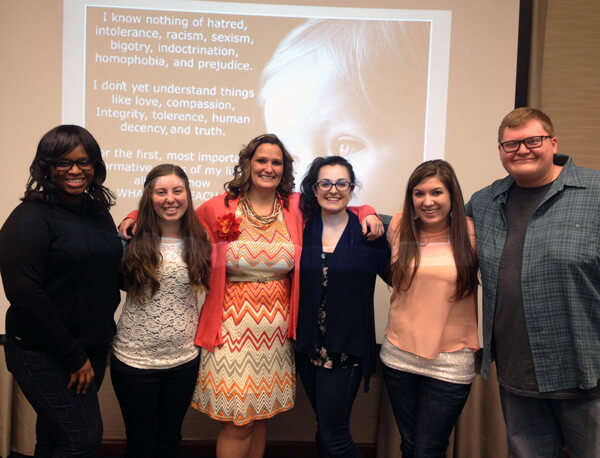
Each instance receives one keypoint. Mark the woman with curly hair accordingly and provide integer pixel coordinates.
(247, 371)
(154, 365)
(335, 339)
(59, 258)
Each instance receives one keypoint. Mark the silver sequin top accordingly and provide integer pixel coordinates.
(455, 367)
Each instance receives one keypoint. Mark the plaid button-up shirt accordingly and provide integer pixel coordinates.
(560, 275)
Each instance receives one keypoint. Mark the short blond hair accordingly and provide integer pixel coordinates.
(520, 116)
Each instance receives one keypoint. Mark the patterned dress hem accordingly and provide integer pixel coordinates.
(242, 421)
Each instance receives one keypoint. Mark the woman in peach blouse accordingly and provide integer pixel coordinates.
(431, 336)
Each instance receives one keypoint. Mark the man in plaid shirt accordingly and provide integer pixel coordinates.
(538, 244)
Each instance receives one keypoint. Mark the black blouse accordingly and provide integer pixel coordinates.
(60, 266)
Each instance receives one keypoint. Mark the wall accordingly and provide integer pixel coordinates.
(570, 79)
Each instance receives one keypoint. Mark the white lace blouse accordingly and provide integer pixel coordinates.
(160, 333)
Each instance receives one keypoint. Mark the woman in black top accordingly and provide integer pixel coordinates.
(59, 258)
(335, 344)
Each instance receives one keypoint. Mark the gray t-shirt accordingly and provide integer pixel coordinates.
(512, 351)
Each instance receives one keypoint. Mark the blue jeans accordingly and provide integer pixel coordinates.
(425, 410)
(68, 424)
(331, 393)
(153, 403)
(541, 427)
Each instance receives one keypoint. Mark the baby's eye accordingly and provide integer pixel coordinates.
(347, 145)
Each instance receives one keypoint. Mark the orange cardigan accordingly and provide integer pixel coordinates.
(209, 327)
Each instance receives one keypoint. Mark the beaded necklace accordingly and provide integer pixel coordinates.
(260, 221)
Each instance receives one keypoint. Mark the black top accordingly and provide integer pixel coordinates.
(512, 351)
(352, 270)
(320, 356)
(59, 266)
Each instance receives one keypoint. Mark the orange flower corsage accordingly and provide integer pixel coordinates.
(228, 227)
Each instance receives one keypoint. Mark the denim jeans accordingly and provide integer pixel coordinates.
(425, 410)
(153, 403)
(331, 393)
(68, 424)
(541, 427)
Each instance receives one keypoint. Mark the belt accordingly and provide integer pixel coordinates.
(258, 278)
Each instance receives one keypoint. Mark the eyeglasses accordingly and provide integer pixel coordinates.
(326, 185)
(65, 165)
(512, 146)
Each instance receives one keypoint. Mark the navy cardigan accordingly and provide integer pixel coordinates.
(353, 268)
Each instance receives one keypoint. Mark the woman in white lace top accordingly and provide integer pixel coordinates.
(155, 362)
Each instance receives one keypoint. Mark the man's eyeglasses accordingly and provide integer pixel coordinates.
(340, 185)
(512, 146)
(65, 165)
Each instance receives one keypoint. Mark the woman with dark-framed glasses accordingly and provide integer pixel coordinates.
(59, 258)
(335, 346)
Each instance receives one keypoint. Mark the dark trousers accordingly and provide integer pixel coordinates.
(153, 404)
(331, 393)
(541, 427)
(425, 410)
(68, 424)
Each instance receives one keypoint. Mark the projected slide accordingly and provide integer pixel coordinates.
(191, 82)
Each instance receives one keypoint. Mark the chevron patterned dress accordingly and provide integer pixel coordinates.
(251, 376)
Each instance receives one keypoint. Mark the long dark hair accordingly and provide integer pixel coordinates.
(54, 144)
(142, 259)
(242, 181)
(406, 237)
(308, 204)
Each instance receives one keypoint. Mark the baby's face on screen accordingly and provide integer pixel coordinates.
(316, 114)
